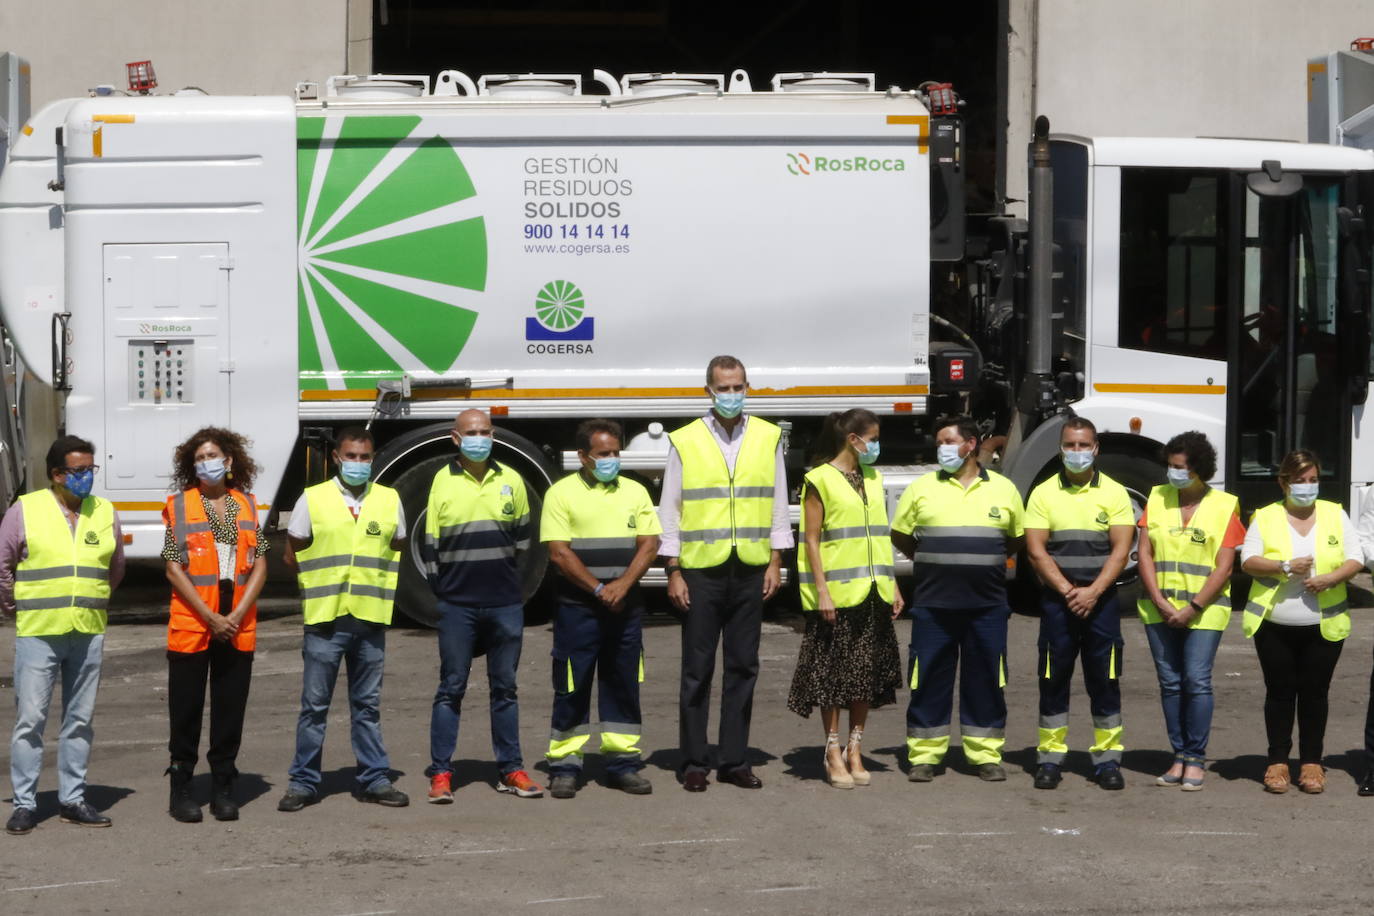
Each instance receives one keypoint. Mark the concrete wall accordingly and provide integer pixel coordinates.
(1228, 68)
(223, 46)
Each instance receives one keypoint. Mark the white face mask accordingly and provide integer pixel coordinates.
(949, 457)
(1076, 460)
(1303, 494)
(1180, 477)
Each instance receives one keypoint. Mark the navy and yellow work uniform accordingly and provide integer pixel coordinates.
(57, 568)
(347, 576)
(959, 611)
(1185, 554)
(473, 532)
(1078, 519)
(600, 522)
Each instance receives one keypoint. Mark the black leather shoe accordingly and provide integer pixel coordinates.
(222, 804)
(563, 785)
(695, 781)
(21, 822)
(740, 776)
(1110, 778)
(385, 794)
(630, 783)
(1048, 776)
(180, 805)
(295, 801)
(83, 814)
(1366, 784)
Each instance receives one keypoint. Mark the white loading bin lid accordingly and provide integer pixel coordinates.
(648, 84)
(530, 85)
(376, 86)
(823, 81)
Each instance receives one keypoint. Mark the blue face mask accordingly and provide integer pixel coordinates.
(355, 473)
(870, 454)
(211, 470)
(1077, 460)
(949, 458)
(1303, 494)
(475, 448)
(1180, 477)
(79, 483)
(729, 404)
(606, 469)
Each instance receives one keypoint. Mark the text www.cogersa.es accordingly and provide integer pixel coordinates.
(577, 248)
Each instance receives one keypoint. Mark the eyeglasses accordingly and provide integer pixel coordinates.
(94, 468)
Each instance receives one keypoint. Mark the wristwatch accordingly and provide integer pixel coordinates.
(1286, 567)
(1195, 606)
(597, 591)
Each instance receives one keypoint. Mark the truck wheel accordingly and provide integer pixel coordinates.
(413, 595)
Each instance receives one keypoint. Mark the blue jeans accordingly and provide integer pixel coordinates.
(39, 661)
(362, 649)
(461, 630)
(1183, 661)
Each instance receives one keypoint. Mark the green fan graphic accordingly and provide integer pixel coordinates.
(393, 250)
(559, 305)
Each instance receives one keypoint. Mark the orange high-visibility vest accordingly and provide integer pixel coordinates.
(185, 515)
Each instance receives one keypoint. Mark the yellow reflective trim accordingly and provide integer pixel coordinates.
(1106, 739)
(28, 130)
(572, 684)
(1047, 664)
(926, 750)
(915, 667)
(619, 743)
(1111, 665)
(1053, 740)
(641, 667)
(1002, 674)
(1143, 388)
(978, 751)
(567, 747)
(96, 145)
(113, 118)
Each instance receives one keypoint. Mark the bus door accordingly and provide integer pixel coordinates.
(1299, 349)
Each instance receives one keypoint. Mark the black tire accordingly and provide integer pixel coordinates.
(1139, 475)
(413, 595)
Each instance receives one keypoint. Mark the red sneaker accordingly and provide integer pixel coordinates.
(519, 783)
(440, 789)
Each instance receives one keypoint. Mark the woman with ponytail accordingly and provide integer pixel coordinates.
(849, 656)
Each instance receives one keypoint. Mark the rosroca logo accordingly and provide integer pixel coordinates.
(805, 164)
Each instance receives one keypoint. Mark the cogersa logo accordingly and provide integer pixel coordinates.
(806, 164)
(560, 318)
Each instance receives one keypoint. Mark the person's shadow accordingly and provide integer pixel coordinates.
(247, 788)
(101, 798)
(343, 781)
(809, 762)
(670, 759)
(466, 772)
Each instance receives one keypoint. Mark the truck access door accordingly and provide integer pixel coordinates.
(166, 329)
(1298, 350)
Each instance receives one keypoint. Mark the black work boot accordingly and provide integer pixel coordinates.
(182, 806)
(222, 804)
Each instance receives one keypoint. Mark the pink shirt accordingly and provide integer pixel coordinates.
(14, 549)
(670, 500)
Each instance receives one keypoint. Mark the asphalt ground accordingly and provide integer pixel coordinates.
(956, 845)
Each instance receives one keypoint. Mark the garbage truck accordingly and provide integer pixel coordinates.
(390, 250)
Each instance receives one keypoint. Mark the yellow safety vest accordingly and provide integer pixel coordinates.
(1329, 556)
(721, 510)
(64, 582)
(856, 546)
(1185, 555)
(349, 567)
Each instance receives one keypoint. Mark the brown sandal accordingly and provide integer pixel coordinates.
(1312, 778)
(1277, 778)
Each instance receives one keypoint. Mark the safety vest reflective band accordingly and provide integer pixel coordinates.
(1329, 555)
(855, 543)
(185, 515)
(349, 569)
(64, 582)
(721, 510)
(1185, 555)
(1078, 519)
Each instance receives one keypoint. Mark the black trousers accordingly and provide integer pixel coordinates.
(228, 671)
(726, 610)
(1297, 663)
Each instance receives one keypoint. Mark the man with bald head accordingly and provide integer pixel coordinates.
(477, 521)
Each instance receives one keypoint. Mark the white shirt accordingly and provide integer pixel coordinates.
(300, 527)
(1295, 606)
